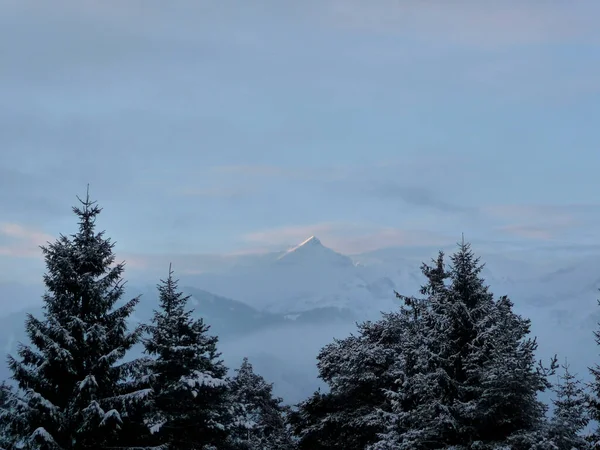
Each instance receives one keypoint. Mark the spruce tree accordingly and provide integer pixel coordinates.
(189, 386)
(7, 398)
(347, 416)
(419, 413)
(594, 406)
(259, 419)
(360, 371)
(73, 383)
(570, 416)
(466, 374)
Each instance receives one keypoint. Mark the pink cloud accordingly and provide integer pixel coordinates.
(346, 237)
(550, 215)
(250, 251)
(543, 222)
(157, 264)
(290, 235)
(529, 232)
(22, 242)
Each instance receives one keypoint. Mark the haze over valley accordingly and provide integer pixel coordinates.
(280, 308)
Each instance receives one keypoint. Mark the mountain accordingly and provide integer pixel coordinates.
(311, 252)
(308, 276)
(280, 308)
(232, 321)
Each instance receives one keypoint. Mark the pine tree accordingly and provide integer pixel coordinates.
(570, 415)
(74, 392)
(259, 419)
(190, 390)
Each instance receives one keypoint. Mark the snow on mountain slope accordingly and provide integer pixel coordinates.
(303, 278)
(312, 251)
(311, 276)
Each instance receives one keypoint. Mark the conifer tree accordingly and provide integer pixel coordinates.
(594, 405)
(259, 419)
(570, 416)
(7, 398)
(473, 380)
(454, 369)
(418, 412)
(73, 383)
(360, 370)
(355, 370)
(189, 409)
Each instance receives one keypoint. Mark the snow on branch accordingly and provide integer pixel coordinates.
(199, 379)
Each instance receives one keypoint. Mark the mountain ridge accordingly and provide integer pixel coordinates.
(263, 307)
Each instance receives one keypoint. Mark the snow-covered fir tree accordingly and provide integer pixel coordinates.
(571, 415)
(73, 390)
(466, 376)
(189, 410)
(359, 371)
(259, 419)
(6, 400)
(594, 406)
(451, 369)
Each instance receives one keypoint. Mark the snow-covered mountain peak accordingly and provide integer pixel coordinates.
(313, 253)
(313, 240)
(311, 243)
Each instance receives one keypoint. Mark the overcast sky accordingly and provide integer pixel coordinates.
(222, 127)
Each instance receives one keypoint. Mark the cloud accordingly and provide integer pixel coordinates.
(253, 170)
(152, 265)
(529, 232)
(291, 235)
(517, 73)
(22, 192)
(383, 237)
(216, 192)
(471, 22)
(417, 196)
(556, 215)
(348, 238)
(22, 242)
(543, 222)
(313, 173)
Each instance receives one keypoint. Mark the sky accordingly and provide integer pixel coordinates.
(209, 129)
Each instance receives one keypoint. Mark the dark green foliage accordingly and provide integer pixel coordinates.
(454, 369)
(358, 370)
(259, 419)
(594, 405)
(74, 393)
(571, 414)
(189, 409)
(9, 427)
(474, 381)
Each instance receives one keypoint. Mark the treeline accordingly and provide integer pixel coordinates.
(452, 368)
